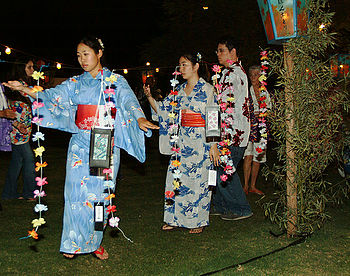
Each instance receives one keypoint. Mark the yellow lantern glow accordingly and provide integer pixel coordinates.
(8, 50)
(58, 65)
(125, 71)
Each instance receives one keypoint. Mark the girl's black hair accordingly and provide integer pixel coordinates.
(18, 72)
(94, 43)
(194, 58)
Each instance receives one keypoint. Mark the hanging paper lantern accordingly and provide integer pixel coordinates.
(339, 64)
(8, 50)
(283, 19)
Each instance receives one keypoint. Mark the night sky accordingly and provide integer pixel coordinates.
(52, 29)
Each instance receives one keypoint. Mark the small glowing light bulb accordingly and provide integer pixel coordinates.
(148, 64)
(157, 70)
(8, 50)
(58, 65)
(125, 71)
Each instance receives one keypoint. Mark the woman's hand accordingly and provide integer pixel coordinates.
(147, 90)
(16, 85)
(8, 113)
(214, 154)
(144, 124)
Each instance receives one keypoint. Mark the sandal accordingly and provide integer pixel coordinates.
(167, 227)
(100, 253)
(196, 230)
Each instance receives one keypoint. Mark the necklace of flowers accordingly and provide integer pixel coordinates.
(173, 131)
(108, 182)
(226, 104)
(41, 181)
(262, 102)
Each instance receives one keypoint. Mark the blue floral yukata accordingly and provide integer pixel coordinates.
(82, 190)
(190, 207)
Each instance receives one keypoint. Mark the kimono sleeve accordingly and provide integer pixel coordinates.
(127, 134)
(58, 111)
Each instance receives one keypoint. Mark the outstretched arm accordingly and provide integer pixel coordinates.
(16, 85)
(147, 91)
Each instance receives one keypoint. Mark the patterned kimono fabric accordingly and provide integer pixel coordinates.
(82, 190)
(192, 202)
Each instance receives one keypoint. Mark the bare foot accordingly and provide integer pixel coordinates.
(101, 253)
(196, 230)
(68, 256)
(167, 227)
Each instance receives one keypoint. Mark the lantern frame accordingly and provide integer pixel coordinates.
(283, 19)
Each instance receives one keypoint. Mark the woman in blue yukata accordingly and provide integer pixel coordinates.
(187, 194)
(68, 107)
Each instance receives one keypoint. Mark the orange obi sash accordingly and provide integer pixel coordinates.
(191, 119)
(85, 116)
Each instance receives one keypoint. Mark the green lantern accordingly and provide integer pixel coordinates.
(283, 19)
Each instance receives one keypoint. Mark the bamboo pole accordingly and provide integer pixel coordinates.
(290, 158)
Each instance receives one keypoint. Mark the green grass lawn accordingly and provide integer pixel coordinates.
(139, 204)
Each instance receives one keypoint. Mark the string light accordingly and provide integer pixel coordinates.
(148, 64)
(8, 50)
(125, 71)
(321, 27)
(205, 7)
(157, 69)
(58, 65)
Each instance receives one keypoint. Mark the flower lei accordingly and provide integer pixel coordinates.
(262, 102)
(41, 181)
(174, 137)
(226, 103)
(108, 183)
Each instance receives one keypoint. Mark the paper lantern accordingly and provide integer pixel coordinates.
(283, 19)
(340, 65)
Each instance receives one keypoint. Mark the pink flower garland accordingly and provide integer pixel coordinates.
(262, 102)
(227, 108)
(41, 181)
(173, 133)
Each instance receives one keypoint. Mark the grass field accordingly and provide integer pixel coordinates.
(139, 204)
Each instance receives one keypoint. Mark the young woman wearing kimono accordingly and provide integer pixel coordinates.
(77, 96)
(189, 204)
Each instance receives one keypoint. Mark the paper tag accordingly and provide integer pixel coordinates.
(213, 120)
(212, 178)
(98, 213)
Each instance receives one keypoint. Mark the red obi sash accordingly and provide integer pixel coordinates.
(86, 116)
(191, 119)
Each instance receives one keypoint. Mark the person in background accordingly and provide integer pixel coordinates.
(187, 195)
(252, 158)
(22, 158)
(229, 200)
(67, 107)
(5, 124)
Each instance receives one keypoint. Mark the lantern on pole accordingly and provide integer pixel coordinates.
(340, 65)
(283, 19)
